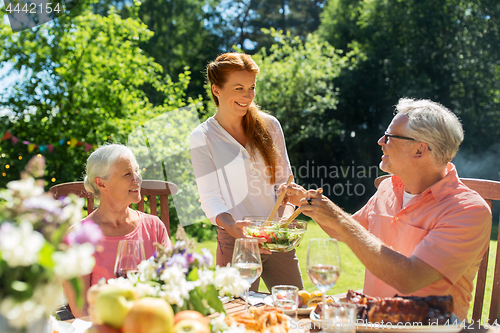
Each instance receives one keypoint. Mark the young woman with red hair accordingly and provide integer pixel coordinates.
(239, 159)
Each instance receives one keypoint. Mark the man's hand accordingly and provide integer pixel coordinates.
(320, 208)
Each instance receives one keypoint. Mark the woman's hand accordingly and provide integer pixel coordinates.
(294, 193)
(236, 228)
(242, 224)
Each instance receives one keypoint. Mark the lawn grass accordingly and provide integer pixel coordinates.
(352, 276)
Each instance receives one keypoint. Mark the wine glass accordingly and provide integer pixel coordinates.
(130, 253)
(323, 264)
(246, 258)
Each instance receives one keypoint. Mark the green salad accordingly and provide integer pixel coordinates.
(278, 239)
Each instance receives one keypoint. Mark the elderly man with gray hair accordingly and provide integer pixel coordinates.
(423, 232)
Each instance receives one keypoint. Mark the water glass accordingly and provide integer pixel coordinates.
(130, 254)
(246, 258)
(339, 318)
(285, 297)
(323, 264)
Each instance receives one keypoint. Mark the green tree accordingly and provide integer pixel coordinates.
(447, 51)
(181, 38)
(245, 19)
(83, 79)
(185, 36)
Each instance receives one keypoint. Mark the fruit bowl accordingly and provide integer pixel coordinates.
(278, 238)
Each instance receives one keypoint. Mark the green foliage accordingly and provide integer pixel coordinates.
(245, 21)
(184, 37)
(295, 83)
(181, 39)
(84, 80)
(447, 51)
(98, 77)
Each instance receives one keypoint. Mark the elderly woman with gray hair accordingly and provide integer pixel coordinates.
(113, 177)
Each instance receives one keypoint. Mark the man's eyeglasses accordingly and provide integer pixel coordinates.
(387, 136)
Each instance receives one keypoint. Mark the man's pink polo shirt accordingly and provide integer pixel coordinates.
(447, 226)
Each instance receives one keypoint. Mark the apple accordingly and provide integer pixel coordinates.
(192, 326)
(113, 303)
(149, 315)
(188, 314)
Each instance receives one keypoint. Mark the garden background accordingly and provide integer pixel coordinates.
(331, 72)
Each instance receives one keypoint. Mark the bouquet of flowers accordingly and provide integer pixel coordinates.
(184, 278)
(36, 250)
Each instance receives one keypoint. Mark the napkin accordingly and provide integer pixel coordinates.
(255, 297)
(81, 326)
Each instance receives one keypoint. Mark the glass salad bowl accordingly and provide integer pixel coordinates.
(279, 238)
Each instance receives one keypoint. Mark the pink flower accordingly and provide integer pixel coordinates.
(85, 232)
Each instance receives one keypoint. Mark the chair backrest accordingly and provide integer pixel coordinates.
(489, 190)
(149, 188)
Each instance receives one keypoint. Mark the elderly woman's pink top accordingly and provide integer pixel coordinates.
(150, 230)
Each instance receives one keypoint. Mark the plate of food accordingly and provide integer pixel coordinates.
(280, 237)
(263, 319)
(401, 314)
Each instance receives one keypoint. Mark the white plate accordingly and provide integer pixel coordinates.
(410, 328)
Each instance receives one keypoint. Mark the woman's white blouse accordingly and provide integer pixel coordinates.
(230, 179)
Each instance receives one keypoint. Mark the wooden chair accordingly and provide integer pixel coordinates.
(149, 188)
(489, 190)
